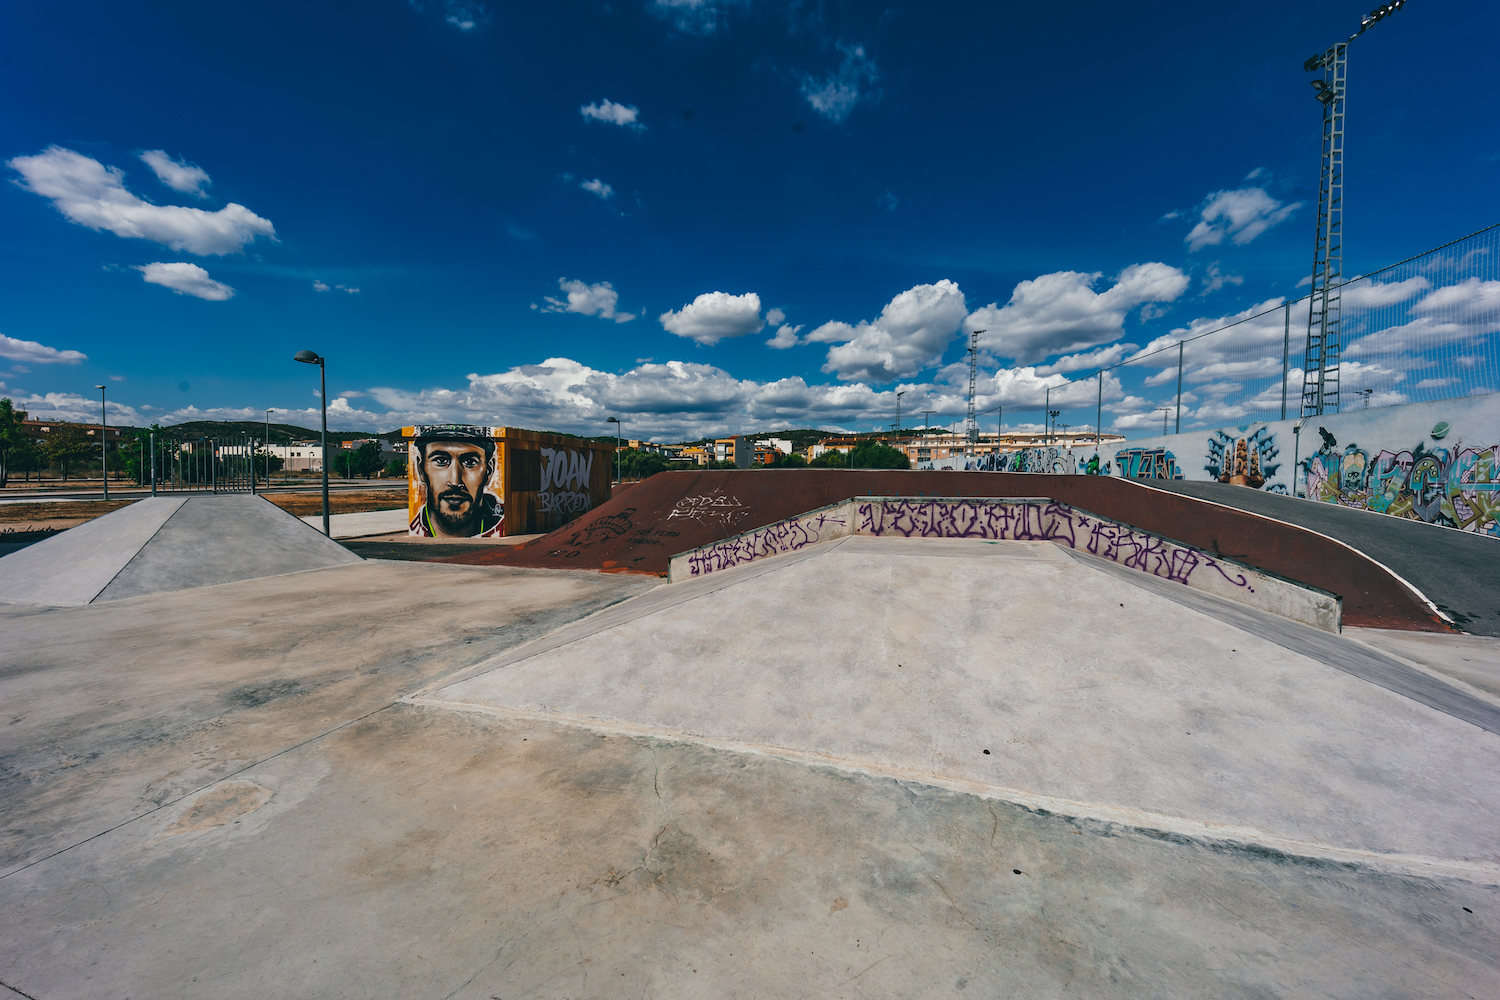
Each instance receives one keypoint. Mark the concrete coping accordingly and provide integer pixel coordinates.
(1039, 519)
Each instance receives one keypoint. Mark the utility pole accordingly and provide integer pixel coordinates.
(1320, 368)
(898, 411)
(926, 420)
(971, 425)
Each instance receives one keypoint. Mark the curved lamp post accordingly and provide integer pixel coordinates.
(311, 358)
(618, 425)
(103, 455)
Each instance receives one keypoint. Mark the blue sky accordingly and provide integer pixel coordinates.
(704, 216)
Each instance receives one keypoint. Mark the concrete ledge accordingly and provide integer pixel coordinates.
(1021, 519)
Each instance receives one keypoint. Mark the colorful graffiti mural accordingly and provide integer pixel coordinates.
(1146, 463)
(455, 482)
(1455, 487)
(565, 481)
(1244, 459)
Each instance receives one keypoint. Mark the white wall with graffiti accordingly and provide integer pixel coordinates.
(1437, 461)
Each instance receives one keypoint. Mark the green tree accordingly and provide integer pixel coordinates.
(637, 464)
(12, 437)
(829, 460)
(395, 469)
(368, 460)
(66, 444)
(878, 455)
(26, 458)
(792, 461)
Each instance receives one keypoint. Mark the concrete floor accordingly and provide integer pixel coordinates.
(243, 809)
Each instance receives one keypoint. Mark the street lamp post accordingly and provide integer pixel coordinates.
(898, 411)
(312, 358)
(103, 445)
(268, 445)
(616, 422)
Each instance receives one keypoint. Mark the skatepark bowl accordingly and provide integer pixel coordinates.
(751, 734)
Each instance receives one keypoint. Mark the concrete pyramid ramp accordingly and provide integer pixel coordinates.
(166, 543)
(1035, 674)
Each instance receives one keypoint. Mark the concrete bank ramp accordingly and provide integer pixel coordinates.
(166, 543)
(672, 512)
(1036, 674)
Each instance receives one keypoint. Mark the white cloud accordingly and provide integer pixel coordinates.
(1241, 215)
(1372, 294)
(93, 195)
(1436, 383)
(1454, 314)
(598, 187)
(785, 337)
(615, 114)
(179, 175)
(186, 279)
(319, 286)
(588, 300)
(695, 17)
(715, 316)
(1216, 279)
(1101, 358)
(910, 334)
(835, 95)
(888, 201)
(1060, 312)
(775, 317)
(465, 15)
(35, 353)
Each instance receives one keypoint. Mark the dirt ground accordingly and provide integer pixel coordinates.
(32, 521)
(307, 504)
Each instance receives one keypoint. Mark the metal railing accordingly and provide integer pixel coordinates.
(201, 464)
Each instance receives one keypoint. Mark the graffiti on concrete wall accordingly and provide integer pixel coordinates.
(1043, 521)
(1147, 463)
(565, 481)
(1454, 486)
(1245, 460)
(774, 539)
(718, 509)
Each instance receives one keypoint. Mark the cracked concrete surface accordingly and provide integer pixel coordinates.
(244, 812)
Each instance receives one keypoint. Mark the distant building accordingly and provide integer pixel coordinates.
(738, 450)
(38, 430)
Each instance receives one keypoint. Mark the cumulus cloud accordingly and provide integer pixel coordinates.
(1101, 358)
(179, 175)
(598, 187)
(910, 334)
(835, 95)
(1240, 216)
(1454, 314)
(695, 17)
(186, 279)
(1060, 312)
(35, 353)
(87, 192)
(775, 317)
(785, 337)
(588, 300)
(320, 286)
(1373, 293)
(715, 316)
(615, 114)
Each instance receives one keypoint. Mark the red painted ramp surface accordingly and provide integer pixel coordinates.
(641, 529)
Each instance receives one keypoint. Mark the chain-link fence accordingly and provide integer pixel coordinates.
(1423, 329)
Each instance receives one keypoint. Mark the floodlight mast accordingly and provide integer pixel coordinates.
(971, 425)
(1320, 368)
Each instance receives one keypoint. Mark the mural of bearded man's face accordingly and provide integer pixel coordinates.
(454, 473)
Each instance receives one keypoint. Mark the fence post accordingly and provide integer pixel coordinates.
(1179, 387)
(1099, 415)
(1286, 348)
(213, 466)
(153, 463)
(250, 463)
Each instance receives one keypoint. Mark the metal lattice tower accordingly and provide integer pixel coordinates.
(971, 425)
(1320, 367)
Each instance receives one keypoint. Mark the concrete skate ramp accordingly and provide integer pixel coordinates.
(1458, 570)
(676, 511)
(166, 543)
(1027, 672)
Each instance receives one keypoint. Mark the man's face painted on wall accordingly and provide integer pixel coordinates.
(454, 473)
